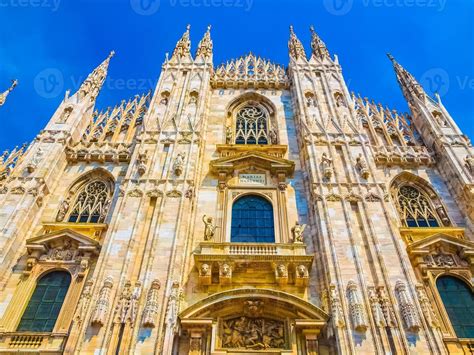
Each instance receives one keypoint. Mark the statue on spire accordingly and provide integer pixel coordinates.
(317, 45)
(93, 83)
(205, 45)
(295, 47)
(183, 46)
(3, 95)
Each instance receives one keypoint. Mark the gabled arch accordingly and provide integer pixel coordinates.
(417, 203)
(251, 119)
(88, 198)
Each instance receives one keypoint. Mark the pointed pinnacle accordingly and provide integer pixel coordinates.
(392, 59)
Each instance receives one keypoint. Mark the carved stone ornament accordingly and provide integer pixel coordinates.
(253, 308)
(84, 302)
(63, 210)
(174, 304)
(469, 163)
(99, 315)
(253, 333)
(356, 307)
(428, 312)
(336, 307)
(302, 276)
(209, 228)
(376, 308)
(297, 232)
(150, 312)
(407, 308)
(387, 307)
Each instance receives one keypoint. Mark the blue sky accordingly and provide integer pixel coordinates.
(433, 39)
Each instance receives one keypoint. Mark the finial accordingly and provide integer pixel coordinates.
(111, 54)
(291, 29)
(311, 28)
(188, 27)
(3, 96)
(391, 57)
(209, 28)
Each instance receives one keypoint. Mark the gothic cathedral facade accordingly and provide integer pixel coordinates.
(244, 208)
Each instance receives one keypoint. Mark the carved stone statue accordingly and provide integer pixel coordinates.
(84, 301)
(178, 164)
(35, 160)
(228, 135)
(65, 115)
(273, 136)
(297, 232)
(209, 227)
(376, 308)
(141, 163)
(253, 308)
(361, 165)
(123, 305)
(469, 163)
(326, 164)
(253, 333)
(63, 208)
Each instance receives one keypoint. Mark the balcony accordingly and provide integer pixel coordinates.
(21, 342)
(226, 263)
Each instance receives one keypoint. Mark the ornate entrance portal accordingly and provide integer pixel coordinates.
(251, 321)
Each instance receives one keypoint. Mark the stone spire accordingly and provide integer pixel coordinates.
(3, 95)
(93, 83)
(318, 47)
(407, 82)
(183, 46)
(205, 45)
(295, 47)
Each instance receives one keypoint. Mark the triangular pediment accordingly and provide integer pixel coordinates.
(255, 159)
(61, 237)
(440, 240)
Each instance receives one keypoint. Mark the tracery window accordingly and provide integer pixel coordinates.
(45, 303)
(415, 208)
(458, 301)
(251, 126)
(252, 220)
(91, 203)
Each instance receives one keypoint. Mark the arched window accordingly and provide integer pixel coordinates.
(415, 208)
(91, 203)
(252, 220)
(251, 126)
(458, 301)
(45, 303)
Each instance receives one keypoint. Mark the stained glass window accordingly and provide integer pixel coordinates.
(415, 208)
(45, 303)
(458, 301)
(251, 126)
(252, 220)
(91, 203)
